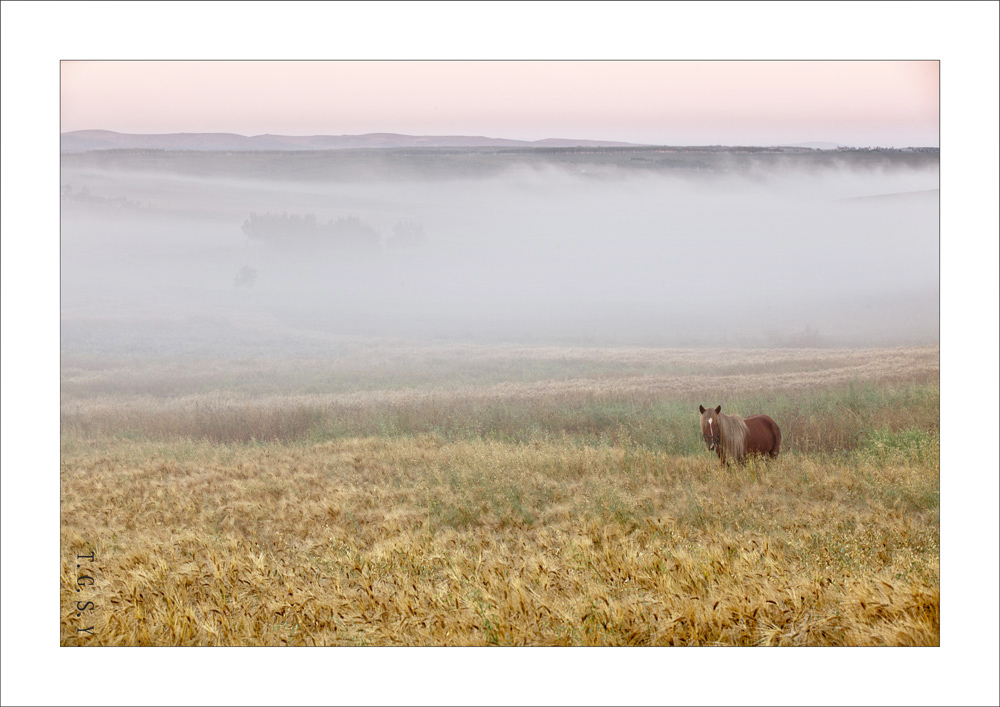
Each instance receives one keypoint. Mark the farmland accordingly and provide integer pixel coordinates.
(421, 494)
(449, 397)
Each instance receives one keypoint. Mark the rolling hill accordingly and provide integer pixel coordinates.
(86, 140)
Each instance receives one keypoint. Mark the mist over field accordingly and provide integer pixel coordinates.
(450, 396)
(239, 251)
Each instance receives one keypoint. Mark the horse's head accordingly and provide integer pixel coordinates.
(710, 426)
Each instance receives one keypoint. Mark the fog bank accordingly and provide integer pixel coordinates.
(737, 250)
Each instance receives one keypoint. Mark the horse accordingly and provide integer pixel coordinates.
(735, 438)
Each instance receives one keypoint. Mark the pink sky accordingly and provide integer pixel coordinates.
(887, 103)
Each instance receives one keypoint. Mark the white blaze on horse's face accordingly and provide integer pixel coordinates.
(708, 428)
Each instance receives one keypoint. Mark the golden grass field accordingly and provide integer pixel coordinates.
(466, 496)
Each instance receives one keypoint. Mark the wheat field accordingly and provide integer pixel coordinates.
(511, 496)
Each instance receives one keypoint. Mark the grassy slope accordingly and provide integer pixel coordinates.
(566, 517)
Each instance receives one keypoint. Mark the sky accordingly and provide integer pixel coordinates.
(855, 103)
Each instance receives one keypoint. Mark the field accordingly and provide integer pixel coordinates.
(463, 495)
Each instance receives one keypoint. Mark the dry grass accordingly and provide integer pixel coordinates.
(403, 535)
(825, 400)
(383, 372)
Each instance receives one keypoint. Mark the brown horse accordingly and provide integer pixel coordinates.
(734, 438)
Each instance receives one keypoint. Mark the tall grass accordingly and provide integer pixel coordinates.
(825, 421)
(556, 511)
(417, 541)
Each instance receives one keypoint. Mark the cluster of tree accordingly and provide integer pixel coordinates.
(423, 164)
(349, 232)
(83, 196)
(924, 150)
(245, 277)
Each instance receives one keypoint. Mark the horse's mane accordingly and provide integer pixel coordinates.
(733, 435)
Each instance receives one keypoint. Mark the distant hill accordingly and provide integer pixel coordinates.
(86, 140)
(817, 145)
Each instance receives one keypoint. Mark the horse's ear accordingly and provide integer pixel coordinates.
(701, 409)
(718, 409)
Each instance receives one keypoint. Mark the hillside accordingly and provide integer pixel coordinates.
(85, 140)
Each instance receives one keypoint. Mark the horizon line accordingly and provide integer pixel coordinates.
(622, 143)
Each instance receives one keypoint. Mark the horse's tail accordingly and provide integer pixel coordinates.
(777, 439)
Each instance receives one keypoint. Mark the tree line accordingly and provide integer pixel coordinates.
(348, 232)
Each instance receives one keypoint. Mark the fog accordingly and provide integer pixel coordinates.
(798, 251)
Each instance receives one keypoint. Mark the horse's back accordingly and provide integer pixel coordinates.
(764, 437)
